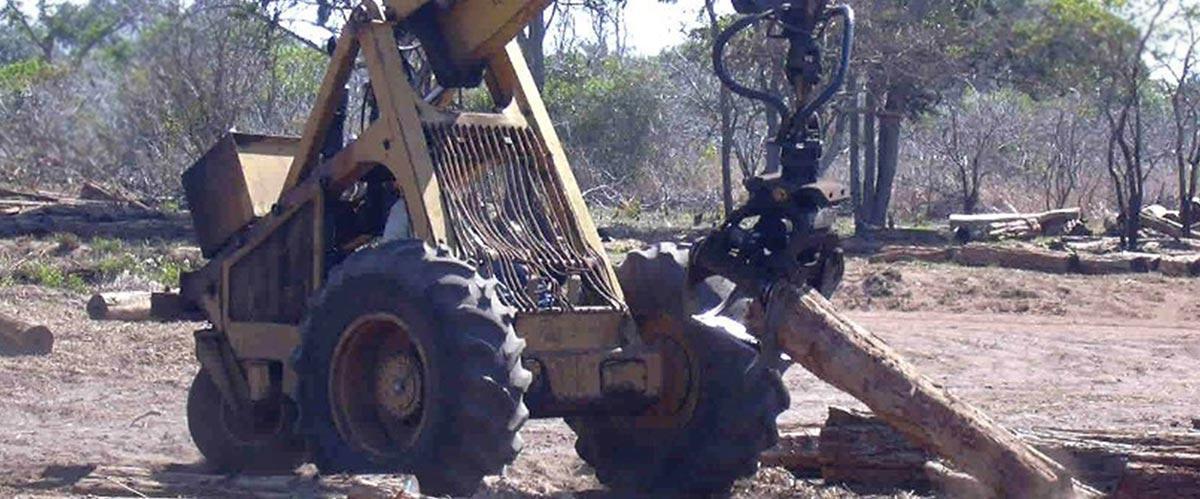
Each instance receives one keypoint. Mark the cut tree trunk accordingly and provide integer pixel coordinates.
(799, 453)
(855, 449)
(1118, 263)
(20, 338)
(809, 329)
(128, 306)
(1026, 258)
(137, 306)
(1179, 266)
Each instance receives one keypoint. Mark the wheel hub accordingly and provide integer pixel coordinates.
(398, 385)
(377, 386)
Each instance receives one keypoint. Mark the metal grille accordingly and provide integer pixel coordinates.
(510, 216)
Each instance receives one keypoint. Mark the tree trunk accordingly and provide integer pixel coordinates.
(869, 160)
(726, 152)
(889, 152)
(533, 45)
(815, 335)
(856, 192)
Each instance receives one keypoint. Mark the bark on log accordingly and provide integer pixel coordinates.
(952, 483)
(1117, 263)
(20, 338)
(1158, 481)
(137, 306)
(1179, 266)
(797, 451)
(976, 255)
(1136, 464)
(809, 329)
(856, 449)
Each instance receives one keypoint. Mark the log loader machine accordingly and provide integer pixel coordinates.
(404, 298)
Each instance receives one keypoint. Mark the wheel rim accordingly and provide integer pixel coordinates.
(377, 386)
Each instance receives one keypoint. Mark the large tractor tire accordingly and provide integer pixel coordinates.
(264, 442)
(408, 363)
(720, 407)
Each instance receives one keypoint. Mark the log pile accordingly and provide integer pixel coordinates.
(1001, 226)
(861, 450)
(1158, 218)
(18, 337)
(97, 211)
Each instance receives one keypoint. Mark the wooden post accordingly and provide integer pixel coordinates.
(810, 330)
(20, 338)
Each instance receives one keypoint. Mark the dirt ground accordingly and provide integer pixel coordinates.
(1031, 350)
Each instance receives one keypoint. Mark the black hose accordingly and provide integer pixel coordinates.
(718, 56)
(839, 78)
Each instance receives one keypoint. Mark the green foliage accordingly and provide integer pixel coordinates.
(1065, 44)
(104, 245)
(45, 274)
(605, 109)
(20, 76)
(298, 70)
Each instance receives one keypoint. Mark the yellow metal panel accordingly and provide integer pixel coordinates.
(401, 141)
(265, 173)
(477, 29)
(263, 340)
(332, 88)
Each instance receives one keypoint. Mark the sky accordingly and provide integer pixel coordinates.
(650, 25)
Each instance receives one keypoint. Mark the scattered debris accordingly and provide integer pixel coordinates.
(126, 481)
(97, 211)
(20, 338)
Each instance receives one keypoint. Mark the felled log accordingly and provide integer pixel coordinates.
(810, 330)
(97, 192)
(130, 481)
(868, 452)
(892, 254)
(8, 192)
(1117, 263)
(973, 227)
(1158, 481)
(1179, 266)
(137, 306)
(1017, 229)
(1154, 217)
(797, 451)
(857, 449)
(954, 483)
(21, 338)
(1026, 258)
